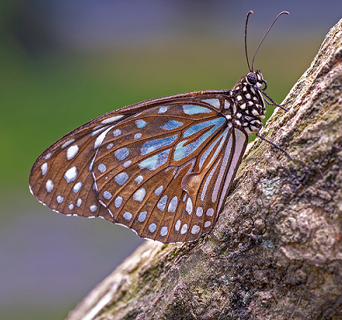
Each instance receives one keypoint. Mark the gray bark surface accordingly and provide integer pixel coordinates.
(276, 250)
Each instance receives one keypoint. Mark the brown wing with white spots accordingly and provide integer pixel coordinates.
(165, 176)
(61, 178)
(158, 167)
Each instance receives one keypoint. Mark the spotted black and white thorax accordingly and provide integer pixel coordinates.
(247, 106)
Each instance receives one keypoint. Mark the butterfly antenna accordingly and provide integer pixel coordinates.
(248, 14)
(268, 30)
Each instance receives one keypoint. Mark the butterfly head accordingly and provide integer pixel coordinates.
(256, 80)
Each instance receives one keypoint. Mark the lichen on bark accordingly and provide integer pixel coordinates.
(276, 250)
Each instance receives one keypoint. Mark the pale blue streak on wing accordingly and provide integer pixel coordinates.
(205, 154)
(122, 153)
(172, 124)
(224, 135)
(182, 151)
(140, 123)
(155, 144)
(197, 127)
(193, 109)
(214, 102)
(155, 161)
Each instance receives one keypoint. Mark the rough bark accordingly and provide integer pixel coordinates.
(276, 250)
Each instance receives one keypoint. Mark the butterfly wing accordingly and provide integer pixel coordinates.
(61, 177)
(162, 168)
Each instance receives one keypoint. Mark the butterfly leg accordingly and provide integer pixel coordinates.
(271, 102)
(273, 144)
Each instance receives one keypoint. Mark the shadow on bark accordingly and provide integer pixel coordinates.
(276, 250)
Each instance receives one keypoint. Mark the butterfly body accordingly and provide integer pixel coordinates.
(162, 167)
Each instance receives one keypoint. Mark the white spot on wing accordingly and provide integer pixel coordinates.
(137, 136)
(162, 109)
(48, 156)
(107, 195)
(173, 204)
(121, 178)
(127, 163)
(163, 231)
(102, 168)
(116, 132)
(71, 174)
(44, 168)
(184, 228)
(127, 216)
(195, 229)
(49, 185)
(210, 212)
(79, 202)
(77, 187)
(93, 208)
(121, 153)
(72, 151)
(199, 211)
(67, 143)
(207, 224)
(112, 119)
(188, 207)
(118, 202)
(60, 199)
(152, 227)
(158, 191)
(142, 216)
(177, 225)
(139, 179)
(139, 195)
(162, 203)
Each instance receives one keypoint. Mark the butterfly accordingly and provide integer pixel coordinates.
(161, 167)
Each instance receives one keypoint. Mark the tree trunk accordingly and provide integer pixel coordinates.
(276, 250)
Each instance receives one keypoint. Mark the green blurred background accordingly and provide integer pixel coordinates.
(63, 63)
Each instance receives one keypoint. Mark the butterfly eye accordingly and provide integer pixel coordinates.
(252, 78)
